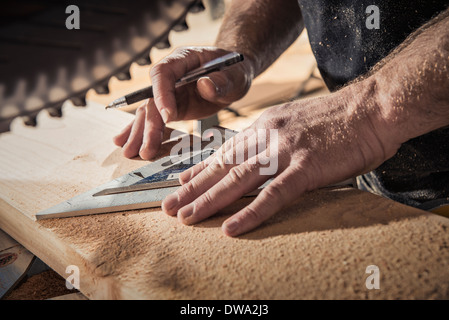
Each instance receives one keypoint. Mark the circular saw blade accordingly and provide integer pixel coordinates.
(42, 63)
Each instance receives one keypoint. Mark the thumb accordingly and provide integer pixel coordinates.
(213, 89)
(222, 87)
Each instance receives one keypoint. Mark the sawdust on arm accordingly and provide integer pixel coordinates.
(411, 84)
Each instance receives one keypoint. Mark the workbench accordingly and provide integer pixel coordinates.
(318, 248)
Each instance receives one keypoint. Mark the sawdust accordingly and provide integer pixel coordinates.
(317, 249)
(45, 285)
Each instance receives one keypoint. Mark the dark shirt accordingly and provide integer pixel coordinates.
(345, 49)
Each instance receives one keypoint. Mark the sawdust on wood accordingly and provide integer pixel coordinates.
(45, 285)
(317, 249)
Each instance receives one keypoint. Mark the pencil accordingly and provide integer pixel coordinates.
(217, 64)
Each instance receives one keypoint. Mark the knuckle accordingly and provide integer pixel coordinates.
(272, 119)
(185, 176)
(216, 167)
(252, 214)
(236, 175)
(275, 122)
(158, 69)
(274, 191)
(188, 188)
(181, 51)
(197, 168)
(208, 199)
(164, 67)
(140, 110)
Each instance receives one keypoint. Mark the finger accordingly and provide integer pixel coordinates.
(239, 181)
(132, 146)
(218, 156)
(208, 89)
(153, 132)
(212, 173)
(226, 154)
(192, 172)
(283, 190)
(223, 87)
(120, 139)
(196, 187)
(163, 78)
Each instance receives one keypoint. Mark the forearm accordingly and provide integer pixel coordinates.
(412, 84)
(261, 30)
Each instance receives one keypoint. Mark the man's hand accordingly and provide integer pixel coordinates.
(329, 139)
(259, 29)
(320, 141)
(143, 136)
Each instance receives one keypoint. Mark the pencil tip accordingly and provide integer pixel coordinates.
(118, 103)
(111, 105)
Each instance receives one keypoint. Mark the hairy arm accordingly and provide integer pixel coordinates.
(260, 29)
(412, 83)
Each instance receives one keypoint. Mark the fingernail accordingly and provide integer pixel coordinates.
(170, 202)
(220, 90)
(186, 212)
(230, 226)
(164, 115)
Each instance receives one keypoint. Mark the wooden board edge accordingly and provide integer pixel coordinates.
(55, 253)
(86, 212)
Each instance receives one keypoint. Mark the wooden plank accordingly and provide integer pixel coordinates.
(15, 261)
(318, 248)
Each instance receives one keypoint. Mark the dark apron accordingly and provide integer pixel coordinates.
(345, 48)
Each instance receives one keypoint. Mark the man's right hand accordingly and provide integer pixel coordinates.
(143, 136)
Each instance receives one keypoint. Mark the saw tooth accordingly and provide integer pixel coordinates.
(102, 89)
(197, 7)
(55, 112)
(182, 26)
(85, 68)
(5, 125)
(79, 101)
(30, 120)
(123, 76)
(163, 44)
(144, 61)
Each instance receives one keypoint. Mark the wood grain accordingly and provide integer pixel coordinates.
(317, 248)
